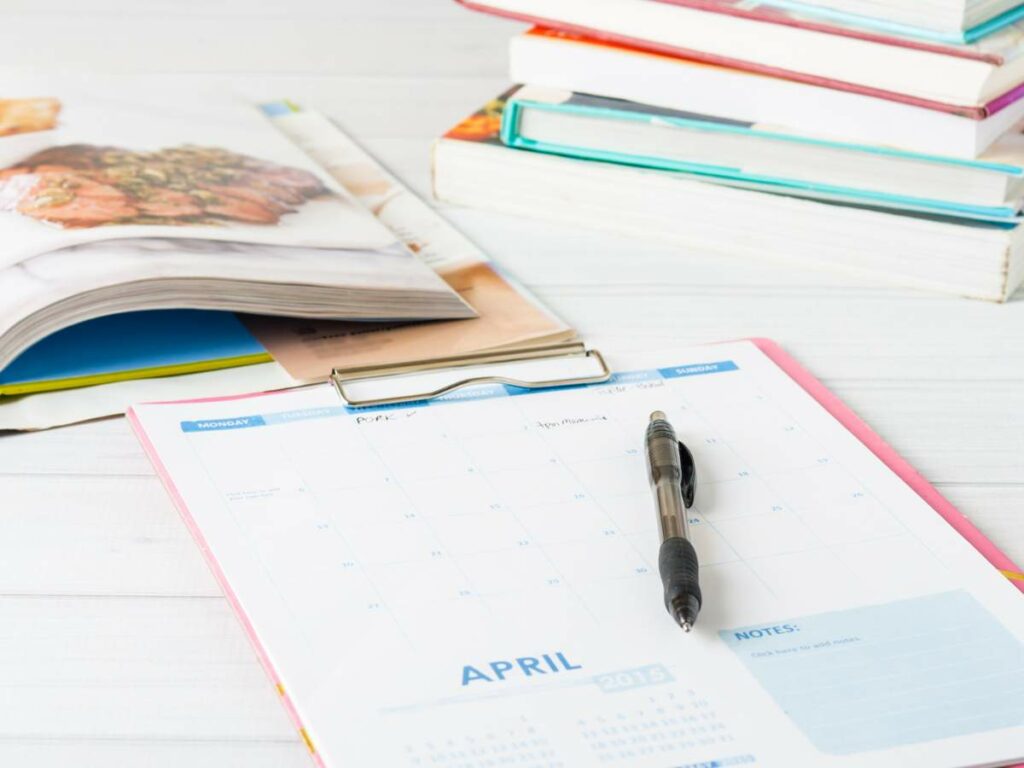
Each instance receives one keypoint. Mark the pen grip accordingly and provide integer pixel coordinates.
(677, 564)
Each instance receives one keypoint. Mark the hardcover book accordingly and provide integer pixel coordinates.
(977, 80)
(926, 251)
(764, 157)
(871, 21)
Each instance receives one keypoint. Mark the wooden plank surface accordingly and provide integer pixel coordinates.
(116, 648)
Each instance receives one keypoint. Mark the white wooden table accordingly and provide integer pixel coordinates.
(116, 648)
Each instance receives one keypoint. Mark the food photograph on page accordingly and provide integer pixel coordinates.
(78, 186)
(93, 159)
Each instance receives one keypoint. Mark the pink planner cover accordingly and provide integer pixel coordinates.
(887, 454)
(594, 34)
(836, 408)
(218, 573)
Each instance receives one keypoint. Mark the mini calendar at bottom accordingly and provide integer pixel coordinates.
(472, 581)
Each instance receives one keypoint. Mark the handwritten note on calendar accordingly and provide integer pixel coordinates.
(473, 581)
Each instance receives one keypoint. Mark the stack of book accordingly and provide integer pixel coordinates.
(879, 137)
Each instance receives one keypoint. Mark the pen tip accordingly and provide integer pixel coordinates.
(659, 416)
(684, 611)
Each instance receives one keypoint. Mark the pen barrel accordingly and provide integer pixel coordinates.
(672, 520)
(663, 459)
(665, 467)
(679, 569)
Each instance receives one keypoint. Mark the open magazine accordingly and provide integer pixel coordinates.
(280, 352)
(118, 196)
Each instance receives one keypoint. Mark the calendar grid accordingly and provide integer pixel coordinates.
(469, 563)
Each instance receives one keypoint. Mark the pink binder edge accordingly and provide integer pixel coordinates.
(222, 581)
(888, 455)
(822, 394)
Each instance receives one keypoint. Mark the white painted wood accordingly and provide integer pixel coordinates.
(123, 667)
(116, 648)
(995, 509)
(151, 753)
(96, 536)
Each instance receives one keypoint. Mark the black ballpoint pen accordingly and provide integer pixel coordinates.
(673, 481)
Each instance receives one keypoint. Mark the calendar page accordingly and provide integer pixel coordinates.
(472, 582)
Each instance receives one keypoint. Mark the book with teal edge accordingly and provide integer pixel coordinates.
(600, 108)
(966, 37)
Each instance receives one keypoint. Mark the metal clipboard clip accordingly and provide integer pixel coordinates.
(344, 379)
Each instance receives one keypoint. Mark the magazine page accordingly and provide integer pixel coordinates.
(508, 315)
(89, 159)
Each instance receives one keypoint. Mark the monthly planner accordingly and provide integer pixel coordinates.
(472, 581)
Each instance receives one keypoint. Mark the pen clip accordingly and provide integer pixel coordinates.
(687, 475)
